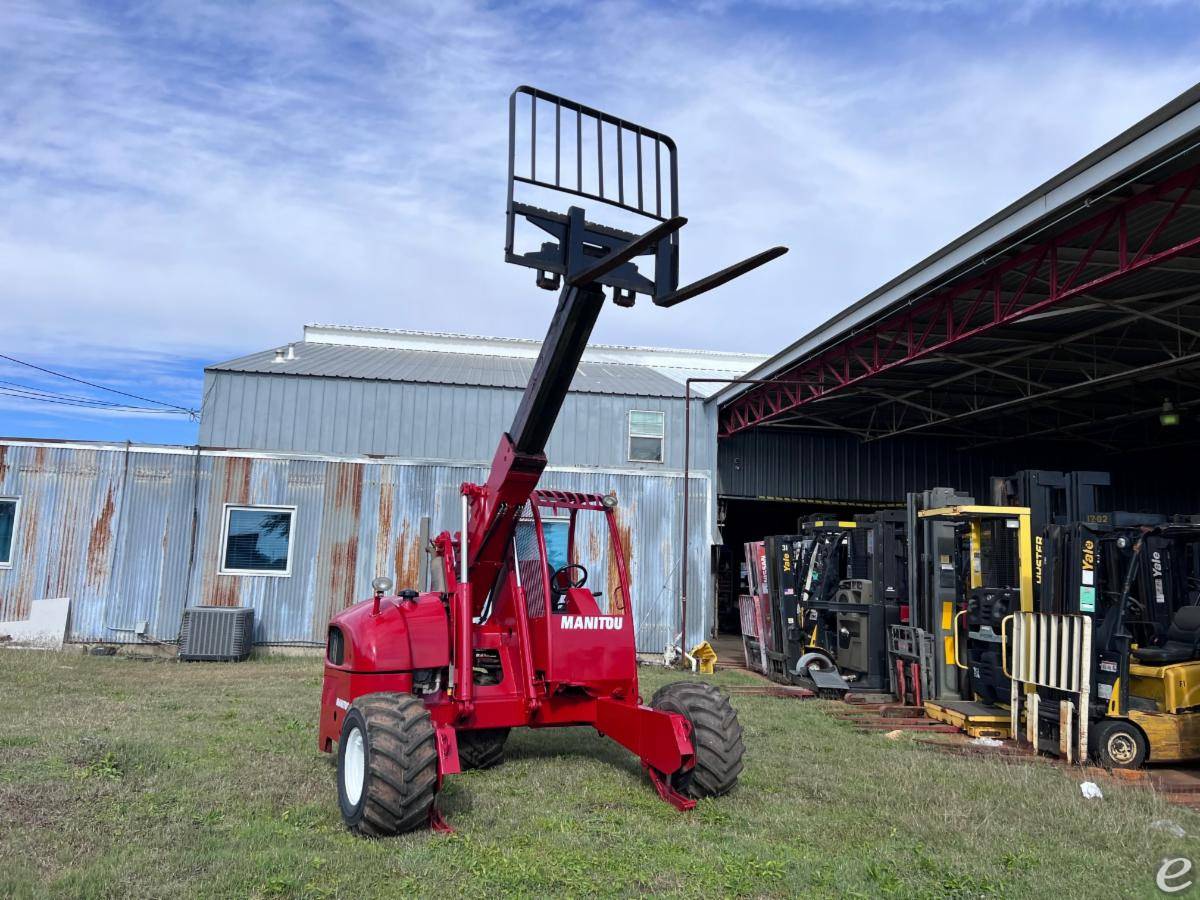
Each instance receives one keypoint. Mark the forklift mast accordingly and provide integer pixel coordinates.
(933, 585)
(1053, 498)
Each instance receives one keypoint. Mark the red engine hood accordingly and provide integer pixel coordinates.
(403, 636)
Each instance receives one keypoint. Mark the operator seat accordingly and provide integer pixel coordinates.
(1182, 644)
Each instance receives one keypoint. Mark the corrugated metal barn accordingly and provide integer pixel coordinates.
(135, 534)
(316, 465)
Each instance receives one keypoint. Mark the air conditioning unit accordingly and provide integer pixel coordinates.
(216, 633)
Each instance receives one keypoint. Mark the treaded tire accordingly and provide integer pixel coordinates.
(396, 752)
(716, 737)
(481, 749)
(1118, 744)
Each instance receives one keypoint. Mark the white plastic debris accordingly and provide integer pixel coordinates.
(1171, 828)
(670, 655)
(987, 742)
(1091, 790)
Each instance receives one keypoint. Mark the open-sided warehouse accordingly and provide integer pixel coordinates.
(1061, 333)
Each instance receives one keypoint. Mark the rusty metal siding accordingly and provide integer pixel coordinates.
(64, 543)
(153, 537)
(346, 417)
(134, 535)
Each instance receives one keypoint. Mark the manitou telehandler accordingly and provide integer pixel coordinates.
(420, 685)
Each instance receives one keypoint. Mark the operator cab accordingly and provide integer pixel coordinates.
(1182, 643)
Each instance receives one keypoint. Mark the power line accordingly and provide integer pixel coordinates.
(58, 395)
(100, 387)
(106, 407)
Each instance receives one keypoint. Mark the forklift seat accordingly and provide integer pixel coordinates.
(1182, 644)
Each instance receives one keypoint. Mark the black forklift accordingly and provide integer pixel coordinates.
(786, 573)
(854, 587)
(776, 565)
(1128, 691)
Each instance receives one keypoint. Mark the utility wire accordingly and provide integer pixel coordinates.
(25, 395)
(23, 388)
(101, 387)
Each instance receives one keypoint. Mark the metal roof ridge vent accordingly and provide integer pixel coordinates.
(525, 348)
(279, 356)
(428, 341)
(314, 333)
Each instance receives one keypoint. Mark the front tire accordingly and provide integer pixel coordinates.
(716, 737)
(1117, 744)
(387, 765)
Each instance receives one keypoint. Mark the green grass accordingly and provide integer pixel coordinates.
(157, 779)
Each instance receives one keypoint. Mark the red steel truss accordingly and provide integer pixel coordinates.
(1129, 237)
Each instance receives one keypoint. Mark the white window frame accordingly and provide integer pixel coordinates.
(255, 573)
(16, 532)
(662, 438)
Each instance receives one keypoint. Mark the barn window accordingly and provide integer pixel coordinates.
(647, 431)
(257, 540)
(8, 530)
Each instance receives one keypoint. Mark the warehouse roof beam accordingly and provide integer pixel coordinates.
(1088, 353)
(1133, 236)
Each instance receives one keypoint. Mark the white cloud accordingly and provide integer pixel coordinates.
(201, 179)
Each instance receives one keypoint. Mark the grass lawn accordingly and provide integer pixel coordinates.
(157, 779)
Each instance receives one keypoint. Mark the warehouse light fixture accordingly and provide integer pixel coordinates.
(1168, 416)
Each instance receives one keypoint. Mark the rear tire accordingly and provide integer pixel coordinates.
(1117, 744)
(481, 749)
(716, 737)
(387, 765)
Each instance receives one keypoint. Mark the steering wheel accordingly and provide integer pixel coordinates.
(563, 574)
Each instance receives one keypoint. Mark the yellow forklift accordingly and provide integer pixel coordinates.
(992, 565)
(1109, 665)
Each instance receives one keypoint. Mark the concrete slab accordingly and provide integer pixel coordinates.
(45, 629)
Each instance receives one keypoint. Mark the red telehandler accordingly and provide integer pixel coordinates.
(420, 685)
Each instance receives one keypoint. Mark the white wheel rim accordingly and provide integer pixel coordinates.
(1122, 748)
(354, 766)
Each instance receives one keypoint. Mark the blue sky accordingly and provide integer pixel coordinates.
(182, 183)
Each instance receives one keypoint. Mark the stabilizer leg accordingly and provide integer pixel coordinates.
(668, 793)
